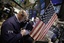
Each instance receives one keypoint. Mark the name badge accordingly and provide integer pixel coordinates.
(10, 31)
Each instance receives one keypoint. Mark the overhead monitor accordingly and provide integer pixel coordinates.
(44, 4)
(56, 2)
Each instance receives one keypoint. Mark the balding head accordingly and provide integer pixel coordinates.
(22, 12)
(22, 15)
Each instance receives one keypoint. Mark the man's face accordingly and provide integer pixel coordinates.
(37, 19)
(23, 18)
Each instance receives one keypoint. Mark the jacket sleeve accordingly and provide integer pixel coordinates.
(9, 35)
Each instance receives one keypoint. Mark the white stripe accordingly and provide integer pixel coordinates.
(43, 31)
(38, 32)
(36, 28)
(48, 25)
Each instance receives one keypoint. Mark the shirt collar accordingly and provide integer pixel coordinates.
(17, 18)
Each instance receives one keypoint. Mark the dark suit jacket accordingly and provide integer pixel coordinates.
(10, 31)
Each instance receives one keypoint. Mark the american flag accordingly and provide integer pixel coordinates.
(42, 27)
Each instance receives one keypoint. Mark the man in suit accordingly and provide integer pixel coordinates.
(11, 31)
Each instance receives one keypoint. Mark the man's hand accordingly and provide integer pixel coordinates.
(23, 32)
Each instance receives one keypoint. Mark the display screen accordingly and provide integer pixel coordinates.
(32, 13)
(55, 2)
(42, 3)
(19, 2)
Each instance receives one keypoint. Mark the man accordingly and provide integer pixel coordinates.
(36, 21)
(11, 31)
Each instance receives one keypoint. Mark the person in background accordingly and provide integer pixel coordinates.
(1, 9)
(12, 29)
(9, 12)
(36, 20)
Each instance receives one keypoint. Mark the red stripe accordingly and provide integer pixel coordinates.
(44, 30)
(40, 32)
(34, 28)
(37, 30)
(48, 26)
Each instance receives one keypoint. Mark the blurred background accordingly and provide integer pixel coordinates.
(36, 8)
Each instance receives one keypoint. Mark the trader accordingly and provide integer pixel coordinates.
(11, 31)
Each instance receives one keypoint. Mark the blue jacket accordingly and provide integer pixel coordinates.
(10, 31)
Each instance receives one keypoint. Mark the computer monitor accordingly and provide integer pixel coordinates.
(56, 2)
(32, 13)
(44, 4)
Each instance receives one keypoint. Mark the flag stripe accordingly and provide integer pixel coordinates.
(35, 37)
(42, 32)
(45, 28)
(34, 27)
(48, 27)
(42, 27)
(38, 29)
